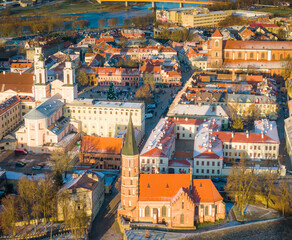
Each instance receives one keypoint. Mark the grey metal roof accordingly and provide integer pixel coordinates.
(46, 109)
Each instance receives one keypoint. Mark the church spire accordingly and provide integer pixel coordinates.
(130, 146)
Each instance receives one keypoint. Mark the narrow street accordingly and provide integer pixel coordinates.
(105, 226)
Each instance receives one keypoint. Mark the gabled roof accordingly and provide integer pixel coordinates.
(92, 144)
(18, 82)
(205, 191)
(161, 187)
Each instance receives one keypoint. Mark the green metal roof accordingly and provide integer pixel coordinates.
(130, 146)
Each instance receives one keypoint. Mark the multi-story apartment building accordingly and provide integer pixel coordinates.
(118, 76)
(85, 191)
(106, 118)
(208, 154)
(214, 148)
(209, 19)
(10, 115)
(159, 148)
(186, 128)
(46, 129)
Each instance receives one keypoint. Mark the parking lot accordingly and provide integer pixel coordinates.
(31, 161)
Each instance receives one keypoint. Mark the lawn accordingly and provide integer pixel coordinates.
(283, 12)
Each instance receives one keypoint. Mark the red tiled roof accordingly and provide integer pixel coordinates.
(263, 25)
(205, 191)
(188, 121)
(241, 137)
(161, 187)
(92, 144)
(271, 45)
(209, 155)
(18, 82)
(183, 154)
(178, 163)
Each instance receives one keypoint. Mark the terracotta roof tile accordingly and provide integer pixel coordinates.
(92, 144)
(205, 191)
(161, 187)
(16, 82)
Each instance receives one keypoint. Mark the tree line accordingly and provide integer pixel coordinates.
(39, 25)
(37, 200)
(236, 4)
(139, 22)
(244, 186)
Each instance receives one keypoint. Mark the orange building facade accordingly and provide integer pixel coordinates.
(263, 56)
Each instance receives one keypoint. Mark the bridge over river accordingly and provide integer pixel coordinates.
(181, 2)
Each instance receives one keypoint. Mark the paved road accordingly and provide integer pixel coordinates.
(104, 226)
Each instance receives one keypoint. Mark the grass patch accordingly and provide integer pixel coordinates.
(238, 215)
(209, 224)
(284, 12)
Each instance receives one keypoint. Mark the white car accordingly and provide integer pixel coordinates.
(148, 115)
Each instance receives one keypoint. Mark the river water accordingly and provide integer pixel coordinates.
(136, 11)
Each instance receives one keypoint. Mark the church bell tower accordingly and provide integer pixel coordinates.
(130, 175)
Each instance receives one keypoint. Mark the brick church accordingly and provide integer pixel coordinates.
(263, 56)
(175, 199)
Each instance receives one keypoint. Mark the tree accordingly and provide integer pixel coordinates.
(251, 113)
(281, 34)
(58, 180)
(113, 21)
(9, 216)
(237, 124)
(111, 95)
(266, 185)
(46, 196)
(240, 185)
(126, 22)
(101, 22)
(143, 93)
(284, 197)
(25, 201)
(287, 66)
(82, 78)
(61, 161)
(148, 79)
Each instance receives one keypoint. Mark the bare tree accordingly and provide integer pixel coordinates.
(46, 196)
(25, 200)
(10, 215)
(61, 161)
(284, 196)
(266, 186)
(240, 185)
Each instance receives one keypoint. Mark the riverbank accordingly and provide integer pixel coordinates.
(64, 8)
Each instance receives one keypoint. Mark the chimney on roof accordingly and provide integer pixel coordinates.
(262, 135)
(232, 134)
(247, 134)
(4, 72)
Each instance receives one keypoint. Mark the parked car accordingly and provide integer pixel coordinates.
(148, 115)
(20, 164)
(152, 106)
(19, 152)
(37, 167)
(150, 111)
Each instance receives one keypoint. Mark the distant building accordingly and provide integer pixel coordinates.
(261, 56)
(84, 191)
(101, 152)
(132, 33)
